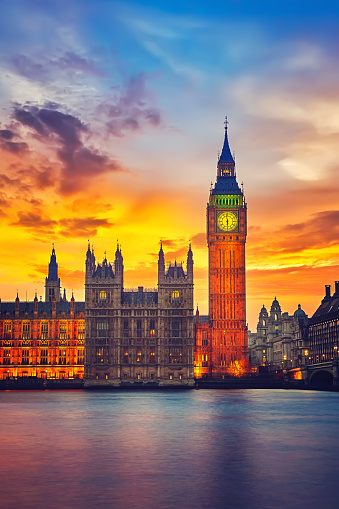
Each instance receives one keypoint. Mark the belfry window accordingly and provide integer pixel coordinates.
(175, 296)
(125, 328)
(176, 329)
(103, 296)
(152, 328)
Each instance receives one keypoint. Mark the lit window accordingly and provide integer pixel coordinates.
(103, 295)
(44, 330)
(25, 330)
(63, 329)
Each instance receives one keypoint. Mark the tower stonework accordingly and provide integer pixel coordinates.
(138, 337)
(226, 239)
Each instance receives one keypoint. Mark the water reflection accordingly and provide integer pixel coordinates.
(197, 449)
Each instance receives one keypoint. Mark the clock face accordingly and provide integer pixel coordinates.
(227, 221)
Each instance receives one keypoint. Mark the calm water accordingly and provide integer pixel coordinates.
(198, 449)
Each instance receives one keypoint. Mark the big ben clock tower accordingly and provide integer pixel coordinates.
(226, 238)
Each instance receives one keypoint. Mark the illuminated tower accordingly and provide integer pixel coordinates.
(226, 239)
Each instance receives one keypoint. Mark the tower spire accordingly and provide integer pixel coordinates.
(226, 163)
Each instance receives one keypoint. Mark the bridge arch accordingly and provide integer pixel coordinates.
(321, 379)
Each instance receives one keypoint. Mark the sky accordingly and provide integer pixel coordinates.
(111, 119)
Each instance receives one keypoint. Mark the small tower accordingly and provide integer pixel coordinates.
(161, 265)
(52, 282)
(190, 265)
(119, 266)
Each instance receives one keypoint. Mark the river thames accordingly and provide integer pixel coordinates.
(202, 449)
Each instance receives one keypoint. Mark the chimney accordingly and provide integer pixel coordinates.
(336, 291)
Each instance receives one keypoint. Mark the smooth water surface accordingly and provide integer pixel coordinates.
(203, 449)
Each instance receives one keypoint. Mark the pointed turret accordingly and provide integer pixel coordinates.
(53, 267)
(161, 264)
(190, 264)
(226, 163)
(17, 304)
(119, 265)
(52, 282)
(35, 304)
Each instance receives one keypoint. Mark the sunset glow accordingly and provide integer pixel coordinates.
(111, 121)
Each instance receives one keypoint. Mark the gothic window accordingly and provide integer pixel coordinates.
(152, 328)
(176, 326)
(26, 330)
(204, 342)
(8, 330)
(152, 356)
(80, 356)
(25, 356)
(63, 329)
(125, 328)
(264, 322)
(81, 329)
(102, 355)
(139, 330)
(102, 328)
(103, 296)
(139, 356)
(175, 297)
(175, 355)
(44, 330)
(204, 359)
(125, 356)
(62, 356)
(7, 356)
(275, 317)
(44, 356)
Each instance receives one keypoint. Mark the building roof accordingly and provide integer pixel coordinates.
(140, 297)
(226, 185)
(43, 307)
(226, 155)
(327, 310)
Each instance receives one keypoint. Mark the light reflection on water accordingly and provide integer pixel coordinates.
(198, 449)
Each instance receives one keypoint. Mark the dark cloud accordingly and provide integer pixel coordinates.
(72, 61)
(6, 134)
(44, 69)
(321, 230)
(35, 221)
(30, 119)
(78, 162)
(29, 68)
(128, 109)
(14, 147)
(82, 227)
(6, 143)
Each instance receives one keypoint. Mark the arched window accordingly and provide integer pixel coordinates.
(103, 295)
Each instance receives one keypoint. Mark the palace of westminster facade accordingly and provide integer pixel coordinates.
(151, 336)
